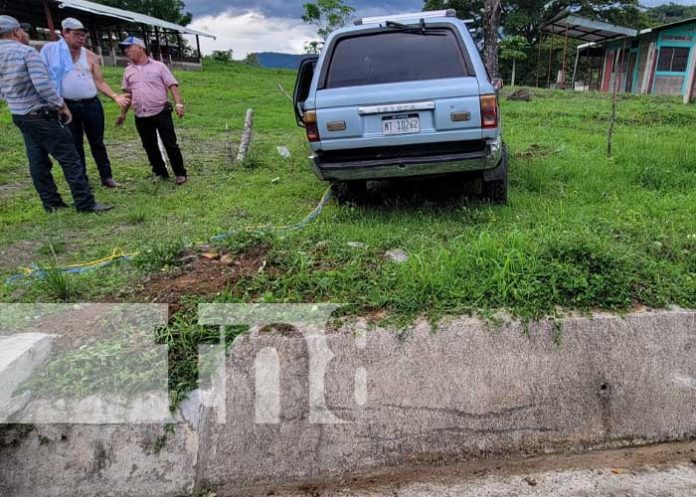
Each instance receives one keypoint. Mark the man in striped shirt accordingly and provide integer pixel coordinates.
(40, 113)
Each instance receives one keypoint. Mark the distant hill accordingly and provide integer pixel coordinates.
(666, 14)
(274, 60)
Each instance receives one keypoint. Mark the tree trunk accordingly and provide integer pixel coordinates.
(491, 26)
(514, 71)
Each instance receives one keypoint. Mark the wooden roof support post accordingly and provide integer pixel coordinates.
(620, 53)
(166, 44)
(198, 44)
(548, 79)
(565, 58)
(112, 49)
(541, 40)
(146, 40)
(691, 80)
(159, 43)
(95, 34)
(49, 21)
(575, 69)
(180, 45)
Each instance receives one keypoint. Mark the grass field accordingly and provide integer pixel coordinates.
(581, 231)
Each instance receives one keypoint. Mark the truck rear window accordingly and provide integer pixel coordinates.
(393, 57)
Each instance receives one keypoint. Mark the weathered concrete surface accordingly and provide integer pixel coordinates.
(20, 356)
(665, 470)
(468, 391)
(86, 461)
(677, 481)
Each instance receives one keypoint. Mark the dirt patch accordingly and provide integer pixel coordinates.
(197, 151)
(203, 275)
(522, 95)
(19, 254)
(534, 151)
(9, 188)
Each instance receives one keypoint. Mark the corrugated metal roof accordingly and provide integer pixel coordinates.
(125, 15)
(580, 28)
(669, 26)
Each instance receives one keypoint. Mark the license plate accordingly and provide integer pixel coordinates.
(401, 125)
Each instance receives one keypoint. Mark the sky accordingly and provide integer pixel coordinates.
(246, 26)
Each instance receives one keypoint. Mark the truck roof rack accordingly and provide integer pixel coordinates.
(403, 17)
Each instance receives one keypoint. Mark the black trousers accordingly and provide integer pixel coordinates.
(147, 129)
(88, 119)
(43, 135)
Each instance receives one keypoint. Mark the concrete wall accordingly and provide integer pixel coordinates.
(468, 391)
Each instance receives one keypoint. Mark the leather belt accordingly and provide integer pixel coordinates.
(81, 100)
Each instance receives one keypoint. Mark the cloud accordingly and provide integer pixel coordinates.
(292, 8)
(253, 31)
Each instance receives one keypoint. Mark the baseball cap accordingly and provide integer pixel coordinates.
(73, 24)
(9, 24)
(132, 40)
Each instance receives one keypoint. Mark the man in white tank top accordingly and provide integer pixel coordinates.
(77, 75)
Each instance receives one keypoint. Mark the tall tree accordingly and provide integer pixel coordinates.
(466, 9)
(525, 17)
(491, 28)
(327, 15)
(168, 10)
(513, 48)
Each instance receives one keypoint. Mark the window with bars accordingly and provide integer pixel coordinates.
(673, 59)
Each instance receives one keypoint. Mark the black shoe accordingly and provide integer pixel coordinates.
(57, 207)
(110, 183)
(99, 208)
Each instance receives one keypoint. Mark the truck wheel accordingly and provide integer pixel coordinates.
(349, 191)
(495, 190)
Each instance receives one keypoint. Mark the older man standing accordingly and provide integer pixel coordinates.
(147, 82)
(39, 112)
(77, 75)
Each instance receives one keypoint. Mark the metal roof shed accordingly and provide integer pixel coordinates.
(107, 25)
(570, 25)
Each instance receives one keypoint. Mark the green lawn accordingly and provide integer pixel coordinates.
(581, 231)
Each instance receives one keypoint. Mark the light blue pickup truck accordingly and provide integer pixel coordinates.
(402, 96)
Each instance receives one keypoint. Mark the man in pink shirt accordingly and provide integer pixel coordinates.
(148, 82)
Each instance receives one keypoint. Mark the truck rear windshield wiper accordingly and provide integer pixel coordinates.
(422, 29)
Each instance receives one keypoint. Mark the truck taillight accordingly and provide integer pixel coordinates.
(310, 121)
(489, 112)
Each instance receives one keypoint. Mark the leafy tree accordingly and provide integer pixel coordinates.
(466, 9)
(168, 10)
(514, 48)
(666, 14)
(222, 55)
(525, 17)
(313, 47)
(327, 15)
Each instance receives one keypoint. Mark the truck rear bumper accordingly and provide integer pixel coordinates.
(398, 167)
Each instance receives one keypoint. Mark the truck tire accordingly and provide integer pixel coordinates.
(495, 190)
(350, 191)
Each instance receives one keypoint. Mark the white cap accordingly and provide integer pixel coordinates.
(132, 40)
(9, 24)
(73, 24)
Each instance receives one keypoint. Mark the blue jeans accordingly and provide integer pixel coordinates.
(88, 119)
(43, 135)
